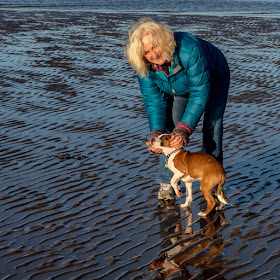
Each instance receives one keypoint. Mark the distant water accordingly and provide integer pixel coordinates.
(192, 6)
(78, 198)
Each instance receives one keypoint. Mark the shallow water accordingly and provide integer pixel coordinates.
(78, 198)
(193, 6)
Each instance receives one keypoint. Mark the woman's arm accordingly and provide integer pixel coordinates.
(154, 102)
(199, 83)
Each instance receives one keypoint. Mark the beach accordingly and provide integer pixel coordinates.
(78, 193)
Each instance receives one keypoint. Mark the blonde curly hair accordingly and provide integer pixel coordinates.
(161, 35)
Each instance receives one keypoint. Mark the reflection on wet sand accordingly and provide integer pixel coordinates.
(78, 198)
(183, 247)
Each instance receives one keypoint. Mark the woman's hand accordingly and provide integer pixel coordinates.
(176, 142)
(154, 150)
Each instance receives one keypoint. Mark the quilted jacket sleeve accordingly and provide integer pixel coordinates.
(154, 102)
(193, 59)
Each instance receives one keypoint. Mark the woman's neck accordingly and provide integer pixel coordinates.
(163, 68)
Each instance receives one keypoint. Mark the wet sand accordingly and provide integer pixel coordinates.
(78, 198)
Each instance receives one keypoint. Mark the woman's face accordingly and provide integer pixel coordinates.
(152, 53)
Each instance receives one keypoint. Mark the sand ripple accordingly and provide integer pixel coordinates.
(78, 198)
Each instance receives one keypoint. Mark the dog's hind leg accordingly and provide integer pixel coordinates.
(220, 194)
(207, 192)
(223, 200)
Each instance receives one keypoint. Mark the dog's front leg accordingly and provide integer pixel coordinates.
(174, 183)
(189, 199)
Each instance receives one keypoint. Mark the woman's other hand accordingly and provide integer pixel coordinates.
(153, 150)
(176, 142)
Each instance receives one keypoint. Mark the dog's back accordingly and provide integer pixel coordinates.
(191, 163)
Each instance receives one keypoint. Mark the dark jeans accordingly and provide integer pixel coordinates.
(212, 121)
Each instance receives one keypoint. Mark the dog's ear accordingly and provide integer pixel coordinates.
(165, 140)
(168, 136)
(165, 136)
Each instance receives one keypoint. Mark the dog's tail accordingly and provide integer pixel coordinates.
(220, 195)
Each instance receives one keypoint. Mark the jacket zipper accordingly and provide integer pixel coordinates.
(166, 78)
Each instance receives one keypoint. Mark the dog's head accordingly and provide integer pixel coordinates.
(162, 141)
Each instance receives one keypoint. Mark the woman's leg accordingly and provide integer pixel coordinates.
(213, 118)
(164, 174)
(179, 106)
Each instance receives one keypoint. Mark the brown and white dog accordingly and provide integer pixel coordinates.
(190, 167)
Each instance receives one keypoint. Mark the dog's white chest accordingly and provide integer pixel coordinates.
(171, 166)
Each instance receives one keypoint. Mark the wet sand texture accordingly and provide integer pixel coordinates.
(67, 92)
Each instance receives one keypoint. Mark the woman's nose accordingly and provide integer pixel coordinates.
(154, 53)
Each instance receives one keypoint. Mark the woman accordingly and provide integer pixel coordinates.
(181, 77)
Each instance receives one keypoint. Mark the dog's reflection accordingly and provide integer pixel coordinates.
(183, 248)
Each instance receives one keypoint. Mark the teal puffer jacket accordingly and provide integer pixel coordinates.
(195, 63)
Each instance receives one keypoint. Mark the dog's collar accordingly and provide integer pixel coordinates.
(169, 155)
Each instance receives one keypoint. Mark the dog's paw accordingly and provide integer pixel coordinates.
(188, 202)
(201, 214)
(184, 206)
(178, 191)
